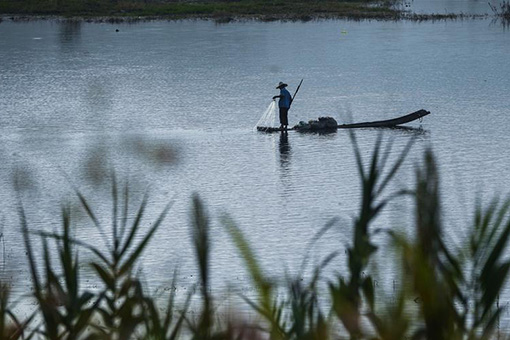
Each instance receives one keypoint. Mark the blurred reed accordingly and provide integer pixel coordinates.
(444, 292)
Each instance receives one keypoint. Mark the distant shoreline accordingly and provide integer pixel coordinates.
(219, 11)
(236, 18)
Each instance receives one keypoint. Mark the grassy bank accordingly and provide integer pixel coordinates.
(444, 291)
(258, 9)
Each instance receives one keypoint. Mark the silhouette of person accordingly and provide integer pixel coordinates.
(283, 104)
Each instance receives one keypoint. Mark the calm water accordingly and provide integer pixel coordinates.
(172, 105)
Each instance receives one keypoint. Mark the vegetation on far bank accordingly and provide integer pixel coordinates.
(503, 11)
(258, 9)
(222, 11)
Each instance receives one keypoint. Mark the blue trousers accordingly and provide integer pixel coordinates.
(284, 120)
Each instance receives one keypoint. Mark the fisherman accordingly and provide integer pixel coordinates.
(284, 105)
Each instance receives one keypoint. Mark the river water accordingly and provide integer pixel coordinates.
(172, 106)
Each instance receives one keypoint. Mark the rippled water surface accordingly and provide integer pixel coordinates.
(172, 105)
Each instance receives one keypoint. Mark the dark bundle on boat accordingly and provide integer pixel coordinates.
(321, 124)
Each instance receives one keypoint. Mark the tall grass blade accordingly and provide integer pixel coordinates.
(394, 170)
(134, 227)
(250, 260)
(265, 307)
(125, 211)
(332, 222)
(28, 247)
(75, 241)
(141, 246)
(201, 243)
(92, 216)
(359, 159)
(115, 198)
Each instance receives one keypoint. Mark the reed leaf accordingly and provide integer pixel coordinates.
(134, 227)
(125, 303)
(395, 168)
(165, 327)
(251, 262)
(115, 194)
(125, 211)
(347, 294)
(92, 216)
(490, 267)
(77, 242)
(64, 306)
(393, 323)
(201, 244)
(107, 278)
(141, 246)
(10, 327)
(266, 306)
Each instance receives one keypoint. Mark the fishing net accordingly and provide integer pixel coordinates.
(267, 119)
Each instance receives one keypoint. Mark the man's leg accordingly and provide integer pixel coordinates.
(285, 118)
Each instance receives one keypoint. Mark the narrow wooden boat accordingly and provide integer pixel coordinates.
(390, 123)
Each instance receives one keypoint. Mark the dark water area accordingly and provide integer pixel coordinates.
(172, 106)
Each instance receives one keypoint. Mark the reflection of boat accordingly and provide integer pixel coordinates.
(316, 126)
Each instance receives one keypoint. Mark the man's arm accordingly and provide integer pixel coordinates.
(279, 96)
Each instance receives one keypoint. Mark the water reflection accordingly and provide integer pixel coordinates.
(285, 150)
(98, 94)
(69, 32)
(416, 131)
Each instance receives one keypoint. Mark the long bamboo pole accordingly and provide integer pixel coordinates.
(294, 96)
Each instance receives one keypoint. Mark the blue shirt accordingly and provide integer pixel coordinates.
(285, 98)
